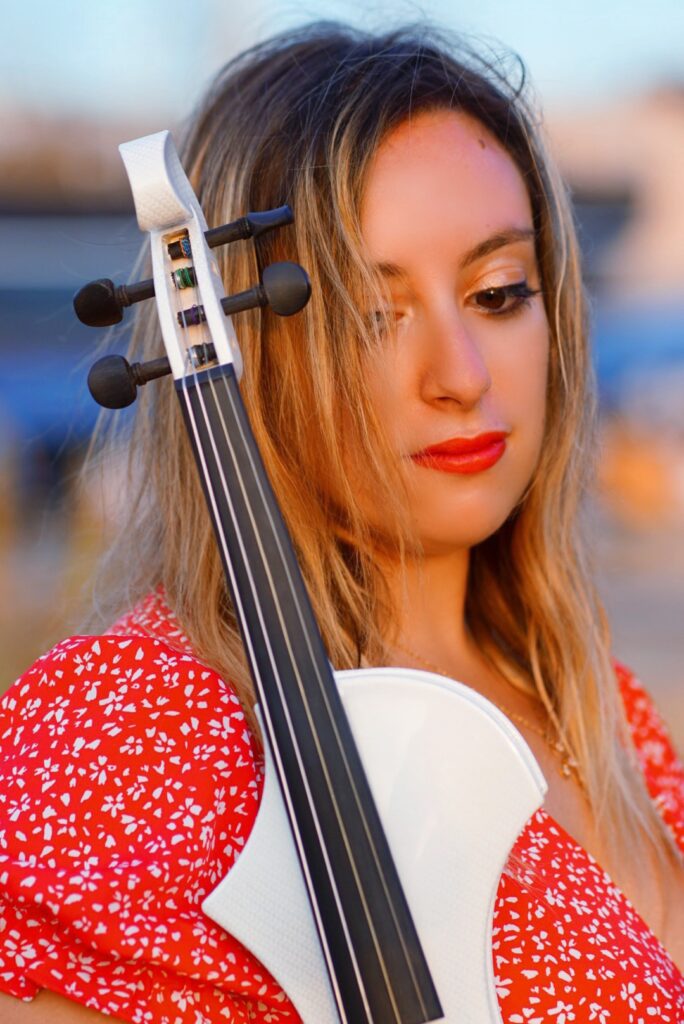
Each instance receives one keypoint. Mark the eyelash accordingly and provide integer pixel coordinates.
(520, 291)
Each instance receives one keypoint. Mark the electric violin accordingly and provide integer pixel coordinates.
(392, 797)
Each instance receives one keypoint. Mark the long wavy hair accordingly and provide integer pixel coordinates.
(297, 120)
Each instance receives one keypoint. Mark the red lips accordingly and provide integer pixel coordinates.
(464, 454)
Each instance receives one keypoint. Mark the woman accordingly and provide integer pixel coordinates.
(427, 425)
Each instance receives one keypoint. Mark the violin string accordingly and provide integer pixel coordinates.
(331, 716)
(247, 638)
(287, 715)
(274, 666)
(302, 690)
(265, 711)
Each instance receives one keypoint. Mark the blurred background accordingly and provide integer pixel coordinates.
(81, 76)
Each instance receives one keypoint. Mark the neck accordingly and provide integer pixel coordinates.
(429, 631)
(429, 598)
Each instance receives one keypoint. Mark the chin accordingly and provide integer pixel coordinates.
(442, 526)
(445, 520)
(443, 538)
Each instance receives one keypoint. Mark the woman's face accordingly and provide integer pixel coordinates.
(460, 384)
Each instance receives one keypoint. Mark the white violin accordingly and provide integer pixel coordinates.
(392, 797)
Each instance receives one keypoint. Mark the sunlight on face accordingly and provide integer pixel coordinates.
(460, 385)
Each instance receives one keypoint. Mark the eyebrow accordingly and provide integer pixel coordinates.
(509, 236)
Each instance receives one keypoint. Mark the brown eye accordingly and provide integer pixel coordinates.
(492, 298)
(505, 299)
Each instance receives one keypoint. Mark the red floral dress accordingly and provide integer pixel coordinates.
(129, 785)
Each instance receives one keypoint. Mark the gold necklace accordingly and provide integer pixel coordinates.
(568, 764)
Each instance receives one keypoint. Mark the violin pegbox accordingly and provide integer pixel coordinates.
(197, 332)
(167, 208)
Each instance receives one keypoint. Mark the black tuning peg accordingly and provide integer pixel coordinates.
(285, 287)
(101, 303)
(252, 225)
(113, 381)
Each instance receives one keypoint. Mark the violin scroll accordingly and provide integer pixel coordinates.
(284, 287)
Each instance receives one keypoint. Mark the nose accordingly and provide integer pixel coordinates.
(455, 367)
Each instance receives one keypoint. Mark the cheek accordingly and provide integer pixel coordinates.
(386, 381)
(523, 381)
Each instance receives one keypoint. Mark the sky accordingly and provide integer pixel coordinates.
(153, 57)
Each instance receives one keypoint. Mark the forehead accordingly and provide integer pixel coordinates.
(440, 179)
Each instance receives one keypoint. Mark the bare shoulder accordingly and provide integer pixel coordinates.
(48, 1007)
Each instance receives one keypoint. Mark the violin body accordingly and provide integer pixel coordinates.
(454, 784)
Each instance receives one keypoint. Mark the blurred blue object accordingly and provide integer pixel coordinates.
(43, 370)
(639, 357)
(46, 353)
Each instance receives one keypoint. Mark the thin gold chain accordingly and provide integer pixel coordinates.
(568, 764)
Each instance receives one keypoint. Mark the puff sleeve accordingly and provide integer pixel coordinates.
(128, 786)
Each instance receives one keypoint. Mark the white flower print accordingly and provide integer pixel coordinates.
(99, 770)
(124, 835)
(18, 950)
(628, 992)
(599, 1014)
(133, 746)
(18, 805)
(563, 1012)
(164, 744)
(113, 803)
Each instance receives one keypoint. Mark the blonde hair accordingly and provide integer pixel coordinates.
(297, 120)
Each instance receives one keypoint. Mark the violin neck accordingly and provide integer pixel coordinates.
(377, 968)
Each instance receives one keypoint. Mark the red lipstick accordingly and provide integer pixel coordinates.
(463, 454)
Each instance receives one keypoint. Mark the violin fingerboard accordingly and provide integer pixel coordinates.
(371, 947)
